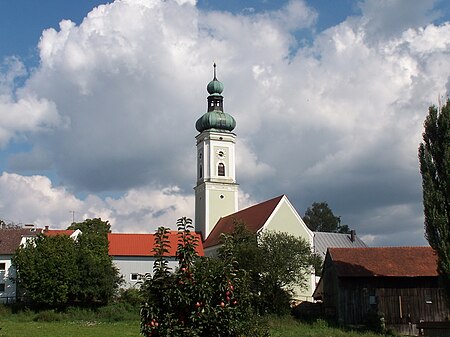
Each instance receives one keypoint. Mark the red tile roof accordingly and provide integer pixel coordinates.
(384, 261)
(254, 217)
(121, 244)
(55, 232)
(10, 238)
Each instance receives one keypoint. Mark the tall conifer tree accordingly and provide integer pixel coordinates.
(434, 157)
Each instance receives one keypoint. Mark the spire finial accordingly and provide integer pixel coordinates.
(214, 65)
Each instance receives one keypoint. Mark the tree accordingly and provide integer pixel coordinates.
(320, 218)
(95, 225)
(46, 270)
(57, 270)
(99, 278)
(287, 263)
(202, 297)
(434, 158)
(275, 262)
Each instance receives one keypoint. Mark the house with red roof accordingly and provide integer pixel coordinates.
(73, 234)
(400, 284)
(133, 254)
(10, 240)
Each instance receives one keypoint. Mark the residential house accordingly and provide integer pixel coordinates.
(400, 284)
(10, 240)
(133, 254)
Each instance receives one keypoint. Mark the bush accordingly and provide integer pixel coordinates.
(80, 314)
(113, 313)
(4, 310)
(47, 316)
(132, 297)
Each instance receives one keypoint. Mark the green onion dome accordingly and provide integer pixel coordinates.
(215, 87)
(215, 118)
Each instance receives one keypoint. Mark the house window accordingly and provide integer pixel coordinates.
(2, 266)
(2, 287)
(134, 277)
(221, 170)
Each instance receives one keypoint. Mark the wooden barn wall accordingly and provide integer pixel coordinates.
(400, 300)
(330, 289)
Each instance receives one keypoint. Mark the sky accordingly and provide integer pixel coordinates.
(98, 103)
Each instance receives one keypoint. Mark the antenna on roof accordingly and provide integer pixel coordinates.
(73, 216)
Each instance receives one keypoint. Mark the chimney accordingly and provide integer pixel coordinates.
(46, 229)
(352, 235)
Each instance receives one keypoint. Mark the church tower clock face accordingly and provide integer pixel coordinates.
(216, 192)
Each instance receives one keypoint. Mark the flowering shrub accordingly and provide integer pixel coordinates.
(203, 297)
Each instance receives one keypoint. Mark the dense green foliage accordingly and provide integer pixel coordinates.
(98, 276)
(47, 269)
(434, 157)
(275, 262)
(320, 218)
(56, 271)
(203, 297)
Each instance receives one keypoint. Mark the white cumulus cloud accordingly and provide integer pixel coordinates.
(113, 104)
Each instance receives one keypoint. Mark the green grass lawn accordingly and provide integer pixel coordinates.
(279, 327)
(114, 321)
(68, 329)
(287, 326)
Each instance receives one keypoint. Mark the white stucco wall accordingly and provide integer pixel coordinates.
(286, 219)
(129, 265)
(6, 278)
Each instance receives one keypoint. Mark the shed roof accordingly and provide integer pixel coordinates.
(384, 261)
(254, 218)
(325, 240)
(122, 244)
(10, 238)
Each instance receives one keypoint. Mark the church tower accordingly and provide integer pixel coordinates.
(216, 192)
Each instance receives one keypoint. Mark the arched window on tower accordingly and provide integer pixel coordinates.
(200, 171)
(221, 170)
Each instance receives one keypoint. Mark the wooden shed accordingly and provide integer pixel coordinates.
(400, 284)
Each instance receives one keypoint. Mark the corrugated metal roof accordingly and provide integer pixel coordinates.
(325, 240)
